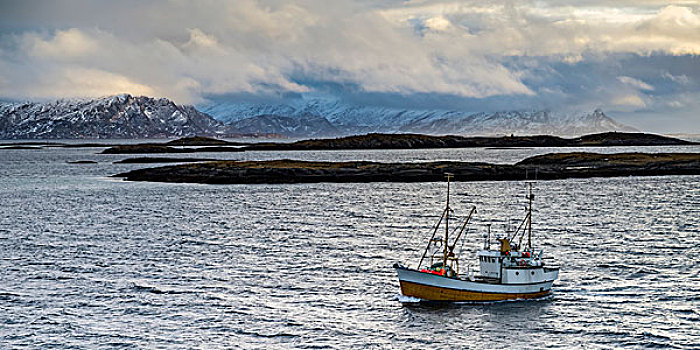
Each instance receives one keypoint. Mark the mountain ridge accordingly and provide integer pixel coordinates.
(125, 116)
(352, 119)
(118, 116)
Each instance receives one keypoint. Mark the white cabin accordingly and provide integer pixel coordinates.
(512, 267)
(490, 262)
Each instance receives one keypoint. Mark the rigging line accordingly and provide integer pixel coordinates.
(464, 226)
(425, 252)
(418, 232)
(461, 248)
(463, 240)
(515, 234)
(432, 228)
(456, 219)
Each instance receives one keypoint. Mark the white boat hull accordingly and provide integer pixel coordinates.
(434, 287)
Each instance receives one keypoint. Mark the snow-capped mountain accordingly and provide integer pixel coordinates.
(121, 116)
(299, 126)
(519, 122)
(126, 116)
(350, 119)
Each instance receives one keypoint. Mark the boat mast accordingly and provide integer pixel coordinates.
(529, 217)
(447, 223)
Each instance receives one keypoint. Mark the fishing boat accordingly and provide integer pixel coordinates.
(509, 271)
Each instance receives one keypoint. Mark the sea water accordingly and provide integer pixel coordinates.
(90, 261)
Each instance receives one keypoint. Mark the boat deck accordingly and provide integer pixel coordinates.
(491, 280)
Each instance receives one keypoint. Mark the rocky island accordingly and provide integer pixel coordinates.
(544, 167)
(160, 148)
(141, 160)
(406, 141)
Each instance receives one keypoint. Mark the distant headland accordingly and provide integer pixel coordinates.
(402, 141)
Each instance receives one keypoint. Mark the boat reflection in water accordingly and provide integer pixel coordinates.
(508, 273)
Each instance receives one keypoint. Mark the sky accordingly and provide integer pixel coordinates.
(637, 60)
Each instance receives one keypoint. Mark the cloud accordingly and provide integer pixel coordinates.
(636, 83)
(462, 54)
(64, 44)
(437, 23)
(525, 28)
(629, 101)
(679, 79)
(252, 47)
(200, 40)
(88, 82)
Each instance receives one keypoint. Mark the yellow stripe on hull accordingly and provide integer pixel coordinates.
(433, 293)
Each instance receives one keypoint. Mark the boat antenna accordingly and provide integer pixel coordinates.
(488, 238)
(447, 222)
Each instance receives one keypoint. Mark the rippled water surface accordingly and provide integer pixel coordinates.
(93, 262)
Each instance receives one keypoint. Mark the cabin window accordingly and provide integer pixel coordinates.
(532, 273)
(517, 273)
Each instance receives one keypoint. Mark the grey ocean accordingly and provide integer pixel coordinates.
(91, 262)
